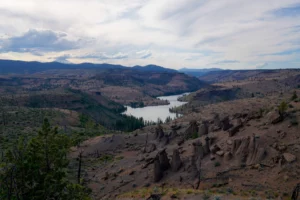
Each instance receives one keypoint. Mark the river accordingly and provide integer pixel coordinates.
(152, 113)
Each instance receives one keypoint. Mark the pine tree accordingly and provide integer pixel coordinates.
(37, 169)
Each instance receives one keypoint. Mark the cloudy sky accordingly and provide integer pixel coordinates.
(235, 34)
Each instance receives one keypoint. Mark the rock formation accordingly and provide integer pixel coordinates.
(207, 145)
(203, 129)
(217, 121)
(159, 132)
(226, 123)
(247, 151)
(236, 127)
(163, 160)
(192, 129)
(176, 161)
(158, 173)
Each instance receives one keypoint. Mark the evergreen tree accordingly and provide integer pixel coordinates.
(36, 170)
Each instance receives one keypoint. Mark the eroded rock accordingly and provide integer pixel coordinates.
(163, 160)
(192, 129)
(158, 173)
(176, 162)
(203, 129)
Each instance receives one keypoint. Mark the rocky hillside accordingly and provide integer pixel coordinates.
(242, 75)
(225, 151)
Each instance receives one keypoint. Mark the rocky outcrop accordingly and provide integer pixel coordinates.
(236, 127)
(198, 154)
(161, 164)
(198, 150)
(207, 145)
(217, 121)
(158, 172)
(192, 129)
(247, 151)
(226, 123)
(163, 160)
(203, 129)
(159, 132)
(173, 134)
(176, 162)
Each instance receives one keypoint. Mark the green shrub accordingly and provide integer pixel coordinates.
(194, 136)
(282, 108)
(295, 96)
(217, 164)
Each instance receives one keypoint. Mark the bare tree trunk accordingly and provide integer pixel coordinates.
(198, 176)
(79, 167)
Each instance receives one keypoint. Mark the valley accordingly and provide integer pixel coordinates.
(232, 129)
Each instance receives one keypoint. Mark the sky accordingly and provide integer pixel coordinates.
(228, 34)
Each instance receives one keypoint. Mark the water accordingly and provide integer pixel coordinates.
(152, 113)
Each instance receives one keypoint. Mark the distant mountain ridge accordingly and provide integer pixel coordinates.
(198, 72)
(155, 68)
(22, 67)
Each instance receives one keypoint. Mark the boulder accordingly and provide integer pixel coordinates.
(289, 157)
(274, 117)
(176, 162)
(220, 153)
(214, 149)
(229, 142)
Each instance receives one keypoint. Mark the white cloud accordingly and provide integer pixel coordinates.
(172, 33)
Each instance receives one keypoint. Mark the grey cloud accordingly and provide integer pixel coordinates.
(226, 62)
(104, 56)
(39, 41)
(144, 54)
